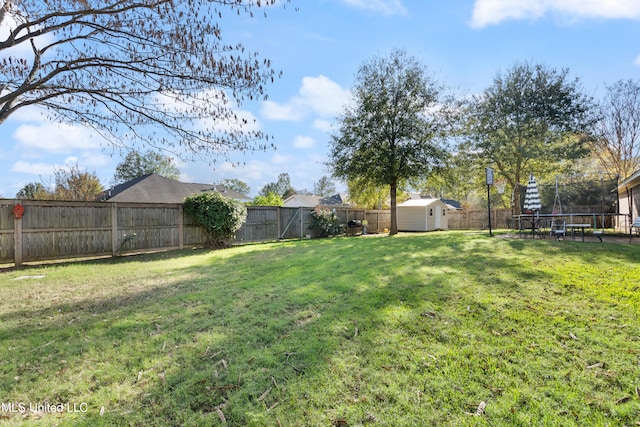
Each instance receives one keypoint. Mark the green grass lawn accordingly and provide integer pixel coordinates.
(445, 328)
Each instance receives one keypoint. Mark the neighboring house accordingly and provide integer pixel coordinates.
(153, 188)
(422, 215)
(305, 201)
(629, 200)
(452, 205)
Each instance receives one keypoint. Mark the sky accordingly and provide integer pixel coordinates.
(319, 46)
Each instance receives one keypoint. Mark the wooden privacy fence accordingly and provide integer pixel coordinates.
(58, 230)
(478, 219)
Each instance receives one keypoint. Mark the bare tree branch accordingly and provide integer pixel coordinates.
(155, 71)
(618, 147)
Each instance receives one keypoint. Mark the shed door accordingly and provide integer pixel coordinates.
(438, 215)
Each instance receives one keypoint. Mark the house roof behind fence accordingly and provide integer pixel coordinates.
(305, 200)
(154, 188)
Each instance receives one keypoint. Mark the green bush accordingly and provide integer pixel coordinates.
(326, 222)
(270, 199)
(219, 216)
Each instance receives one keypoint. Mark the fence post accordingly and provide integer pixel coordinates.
(181, 226)
(301, 224)
(17, 242)
(114, 229)
(278, 213)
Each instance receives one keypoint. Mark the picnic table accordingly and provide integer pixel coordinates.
(575, 227)
(535, 223)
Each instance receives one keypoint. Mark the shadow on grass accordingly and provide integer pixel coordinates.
(232, 335)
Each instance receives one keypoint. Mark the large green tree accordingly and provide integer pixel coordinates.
(129, 68)
(391, 132)
(532, 119)
(136, 164)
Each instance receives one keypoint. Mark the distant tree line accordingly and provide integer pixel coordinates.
(73, 183)
(405, 132)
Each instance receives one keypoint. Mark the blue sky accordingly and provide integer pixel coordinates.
(319, 48)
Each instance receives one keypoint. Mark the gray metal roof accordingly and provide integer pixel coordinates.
(153, 188)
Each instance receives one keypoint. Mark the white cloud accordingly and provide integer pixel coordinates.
(208, 101)
(304, 142)
(53, 138)
(323, 125)
(253, 170)
(492, 12)
(317, 95)
(637, 61)
(385, 7)
(33, 168)
(89, 160)
(281, 159)
(324, 96)
(288, 112)
(244, 121)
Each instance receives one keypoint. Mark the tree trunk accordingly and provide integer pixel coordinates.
(394, 214)
(516, 209)
(517, 203)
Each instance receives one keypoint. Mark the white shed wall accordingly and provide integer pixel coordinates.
(417, 218)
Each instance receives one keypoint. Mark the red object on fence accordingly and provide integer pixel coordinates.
(18, 211)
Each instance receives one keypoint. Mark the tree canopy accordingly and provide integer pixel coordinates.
(324, 187)
(136, 164)
(532, 119)
(34, 191)
(236, 185)
(75, 184)
(365, 195)
(269, 199)
(282, 187)
(618, 144)
(128, 68)
(70, 183)
(392, 131)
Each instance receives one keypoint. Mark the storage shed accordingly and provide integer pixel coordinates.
(629, 201)
(422, 215)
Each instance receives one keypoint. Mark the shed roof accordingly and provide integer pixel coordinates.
(632, 181)
(421, 202)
